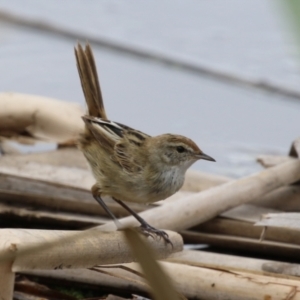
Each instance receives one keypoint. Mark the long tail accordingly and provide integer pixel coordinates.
(89, 81)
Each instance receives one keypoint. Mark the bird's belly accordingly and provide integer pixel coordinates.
(167, 184)
(139, 188)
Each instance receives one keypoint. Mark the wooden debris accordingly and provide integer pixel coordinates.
(205, 259)
(22, 249)
(236, 228)
(286, 198)
(35, 186)
(37, 117)
(281, 220)
(268, 161)
(205, 283)
(236, 263)
(249, 245)
(44, 249)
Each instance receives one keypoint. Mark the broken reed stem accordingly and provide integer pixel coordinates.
(54, 249)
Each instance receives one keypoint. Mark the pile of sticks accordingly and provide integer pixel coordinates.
(256, 216)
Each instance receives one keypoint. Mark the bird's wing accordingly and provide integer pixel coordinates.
(125, 143)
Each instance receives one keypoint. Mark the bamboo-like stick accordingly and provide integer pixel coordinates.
(290, 221)
(236, 263)
(235, 243)
(237, 228)
(210, 284)
(268, 160)
(38, 117)
(45, 249)
(188, 257)
(286, 198)
(200, 207)
(197, 282)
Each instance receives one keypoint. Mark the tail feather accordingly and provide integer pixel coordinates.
(89, 81)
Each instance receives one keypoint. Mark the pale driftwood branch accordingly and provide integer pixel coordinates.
(62, 157)
(200, 207)
(247, 213)
(197, 282)
(241, 243)
(205, 283)
(72, 177)
(268, 160)
(235, 263)
(227, 227)
(45, 249)
(211, 284)
(286, 198)
(39, 117)
(281, 220)
(187, 257)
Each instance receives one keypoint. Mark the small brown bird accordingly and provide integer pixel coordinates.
(129, 165)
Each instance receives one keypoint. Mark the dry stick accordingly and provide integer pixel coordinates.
(204, 259)
(200, 207)
(286, 198)
(205, 283)
(38, 117)
(268, 160)
(22, 249)
(285, 250)
(54, 249)
(236, 263)
(197, 282)
(288, 221)
(235, 228)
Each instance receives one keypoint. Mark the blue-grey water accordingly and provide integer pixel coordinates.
(231, 123)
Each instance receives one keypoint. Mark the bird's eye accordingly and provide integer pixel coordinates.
(180, 149)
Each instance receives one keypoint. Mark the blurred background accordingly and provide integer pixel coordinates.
(224, 73)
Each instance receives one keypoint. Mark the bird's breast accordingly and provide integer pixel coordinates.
(167, 183)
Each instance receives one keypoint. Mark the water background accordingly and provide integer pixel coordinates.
(230, 122)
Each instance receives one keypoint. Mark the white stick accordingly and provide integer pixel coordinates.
(53, 249)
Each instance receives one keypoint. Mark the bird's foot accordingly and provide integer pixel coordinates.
(148, 230)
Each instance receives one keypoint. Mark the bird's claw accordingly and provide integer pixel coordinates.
(148, 230)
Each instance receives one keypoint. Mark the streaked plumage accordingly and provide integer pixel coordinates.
(129, 165)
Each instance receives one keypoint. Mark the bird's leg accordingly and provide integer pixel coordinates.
(96, 195)
(145, 227)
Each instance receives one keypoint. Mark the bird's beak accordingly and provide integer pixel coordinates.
(205, 156)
